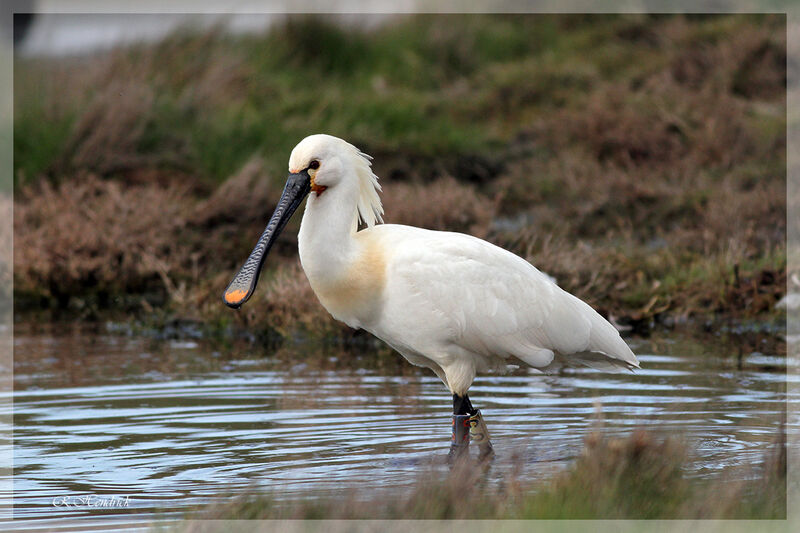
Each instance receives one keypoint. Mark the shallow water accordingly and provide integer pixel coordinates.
(166, 426)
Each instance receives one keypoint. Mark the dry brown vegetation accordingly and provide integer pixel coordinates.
(6, 250)
(444, 204)
(91, 235)
(663, 189)
(639, 160)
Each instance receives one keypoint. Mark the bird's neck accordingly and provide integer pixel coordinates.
(326, 239)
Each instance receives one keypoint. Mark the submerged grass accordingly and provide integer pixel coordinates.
(642, 476)
(640, 160)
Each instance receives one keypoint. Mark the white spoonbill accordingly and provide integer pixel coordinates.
(446, 301)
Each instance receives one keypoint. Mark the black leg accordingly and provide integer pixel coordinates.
(466, 416)
(462, 411)
(462, 405)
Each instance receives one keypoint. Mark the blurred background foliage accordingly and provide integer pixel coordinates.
(639, 159)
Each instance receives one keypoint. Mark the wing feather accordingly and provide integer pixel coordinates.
(498, 305)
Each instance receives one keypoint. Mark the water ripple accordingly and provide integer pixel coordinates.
(172, 437)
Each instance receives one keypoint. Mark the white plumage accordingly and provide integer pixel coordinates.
(447, 301)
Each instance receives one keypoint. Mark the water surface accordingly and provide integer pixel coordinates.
(170, 425)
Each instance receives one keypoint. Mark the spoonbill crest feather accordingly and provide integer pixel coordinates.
(370, 209)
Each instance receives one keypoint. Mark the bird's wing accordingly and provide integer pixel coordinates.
(498, 304)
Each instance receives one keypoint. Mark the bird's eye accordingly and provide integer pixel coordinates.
(314, 165)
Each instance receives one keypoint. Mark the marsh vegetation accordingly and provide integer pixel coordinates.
(640, 160)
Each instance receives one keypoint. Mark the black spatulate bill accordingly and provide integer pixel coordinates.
(244, 283)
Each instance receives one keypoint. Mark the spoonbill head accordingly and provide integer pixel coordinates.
(450, 302)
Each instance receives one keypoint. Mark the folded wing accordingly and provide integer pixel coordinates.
(499, 305)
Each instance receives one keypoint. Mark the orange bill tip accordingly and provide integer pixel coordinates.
(235, 296)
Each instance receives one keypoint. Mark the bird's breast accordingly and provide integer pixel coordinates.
(353, 293)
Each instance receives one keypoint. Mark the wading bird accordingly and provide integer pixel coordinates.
(446, 301)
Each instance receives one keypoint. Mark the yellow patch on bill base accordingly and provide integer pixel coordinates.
(318, 189)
